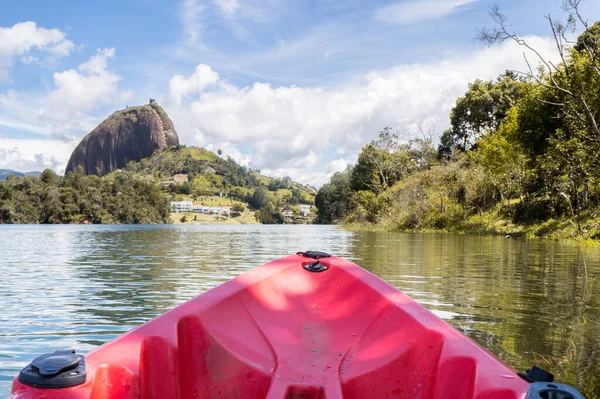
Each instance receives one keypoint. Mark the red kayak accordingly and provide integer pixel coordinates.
(307, 326)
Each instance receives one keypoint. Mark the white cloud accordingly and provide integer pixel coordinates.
(190, 14)
(180, 86)
(127, 95)
(291, 130)
(227, 7)
(63, 114)
(336, 166)
(30, 59)
(26, 36)
(34, 155)
(418, 10)
(80, 90)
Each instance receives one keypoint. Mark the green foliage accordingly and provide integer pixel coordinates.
(333, 199)
(381, 163)
(238, 208)
(589, 40)
(480, 110)
(76, 198)
(267, 214)
(210, 175)
(521, 155)
(502, 159)
(260, 197)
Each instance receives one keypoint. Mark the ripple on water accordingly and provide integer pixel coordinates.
(81, 286)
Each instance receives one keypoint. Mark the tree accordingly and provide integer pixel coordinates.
(482, 109)
(570, 87)
(381, 163)
(502, 158)
(589, 40)
(333, 198)
(268, 215)
(259, 198)
(48, 176)
(219, 152)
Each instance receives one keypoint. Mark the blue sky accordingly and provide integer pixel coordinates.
(290, 87)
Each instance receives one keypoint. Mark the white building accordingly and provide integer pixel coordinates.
(200, 209)
(181, 206)
(304, 210)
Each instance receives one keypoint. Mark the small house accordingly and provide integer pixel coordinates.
(287, 214)
(304, 210)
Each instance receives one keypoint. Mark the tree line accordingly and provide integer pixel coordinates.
(76, 198)
(522, 148)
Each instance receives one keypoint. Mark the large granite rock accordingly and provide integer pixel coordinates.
(127, 135)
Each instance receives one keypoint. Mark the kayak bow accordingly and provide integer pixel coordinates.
(304, 326)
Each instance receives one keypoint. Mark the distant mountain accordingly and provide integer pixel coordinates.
(4, 173)
(127, 135)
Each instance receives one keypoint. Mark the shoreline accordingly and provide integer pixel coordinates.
(247, 217)
(559, 230)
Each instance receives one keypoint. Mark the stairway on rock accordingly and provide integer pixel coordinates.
(162, 138)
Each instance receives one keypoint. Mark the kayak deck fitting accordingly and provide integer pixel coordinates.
(307, 326)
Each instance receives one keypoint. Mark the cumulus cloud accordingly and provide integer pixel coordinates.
(27, 36)
(34, 155)
(180, 86)
(82, 89)
(291, 130)
(418, 10)
(63, 114)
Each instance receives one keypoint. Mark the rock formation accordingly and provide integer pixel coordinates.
(127, 135)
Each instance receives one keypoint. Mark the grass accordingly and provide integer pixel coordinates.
(265, 180)
(491, 223)
(200, 154)
(247, 217)
(217, 201)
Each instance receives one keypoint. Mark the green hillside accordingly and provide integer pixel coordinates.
(193, 173)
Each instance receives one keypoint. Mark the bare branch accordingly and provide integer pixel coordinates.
(571, 87)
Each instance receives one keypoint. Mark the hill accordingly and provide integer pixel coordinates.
(4, 173)
(127, 135)
(194, 173)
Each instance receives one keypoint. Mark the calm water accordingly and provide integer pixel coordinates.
(80, 286)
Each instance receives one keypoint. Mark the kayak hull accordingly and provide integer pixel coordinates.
(283, 332)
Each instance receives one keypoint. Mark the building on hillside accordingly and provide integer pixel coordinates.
(181, 206)
(200, 209)
(226, 210)
(304, 210)
(215, 210)
(287, 214)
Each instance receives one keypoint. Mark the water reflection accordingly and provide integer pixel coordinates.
(79, 286)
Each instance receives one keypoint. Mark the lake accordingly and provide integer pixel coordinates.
(528, 302)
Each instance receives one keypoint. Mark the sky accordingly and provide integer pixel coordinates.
(293, 88)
